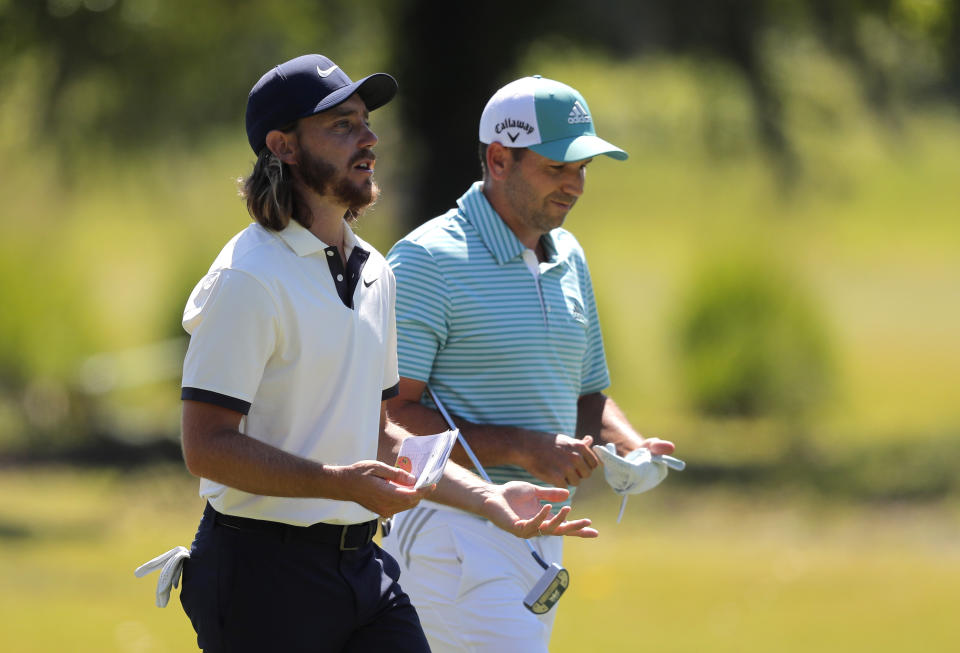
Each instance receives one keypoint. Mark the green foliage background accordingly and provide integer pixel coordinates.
(831, 527)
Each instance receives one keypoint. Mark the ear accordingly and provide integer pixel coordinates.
(499, 161)
(283, 145)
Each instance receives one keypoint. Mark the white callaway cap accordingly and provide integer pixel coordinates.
(550, 118)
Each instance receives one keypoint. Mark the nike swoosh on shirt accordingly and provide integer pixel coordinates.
(369, 283)
(326, 73)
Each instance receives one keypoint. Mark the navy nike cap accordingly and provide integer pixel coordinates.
(304, 86)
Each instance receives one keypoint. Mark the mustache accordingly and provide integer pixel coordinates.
(562, 197)
(363, 155)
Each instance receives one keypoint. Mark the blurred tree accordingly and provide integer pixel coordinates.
(457, 73)
(451, 57)
(129, 72)
(948, 30)
(126, 74)
(752, 343)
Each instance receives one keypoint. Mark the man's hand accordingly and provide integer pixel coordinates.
(658, 446)
(559, 459)
(378, 487)
(515, 507)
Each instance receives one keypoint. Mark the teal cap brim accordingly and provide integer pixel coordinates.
(585, 146)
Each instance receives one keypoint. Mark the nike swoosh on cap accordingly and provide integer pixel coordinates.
(326, 73)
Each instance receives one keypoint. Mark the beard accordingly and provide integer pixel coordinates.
(536, 212)
(322, 177)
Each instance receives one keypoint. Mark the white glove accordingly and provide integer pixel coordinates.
(170, 565)
(636, 472)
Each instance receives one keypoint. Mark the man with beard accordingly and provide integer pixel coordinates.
(496, 312)
(292, 354)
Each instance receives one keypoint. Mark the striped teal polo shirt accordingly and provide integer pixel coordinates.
(496, 343)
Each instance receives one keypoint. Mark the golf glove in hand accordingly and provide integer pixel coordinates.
(170, 565)
(636, 472)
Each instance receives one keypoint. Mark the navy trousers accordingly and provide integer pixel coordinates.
(278, 589)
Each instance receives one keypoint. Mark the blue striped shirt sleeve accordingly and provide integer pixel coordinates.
(422, 308)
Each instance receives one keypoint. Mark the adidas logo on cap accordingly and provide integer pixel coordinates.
(578, 114)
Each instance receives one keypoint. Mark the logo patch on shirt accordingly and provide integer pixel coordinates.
(576, 310)
(202, 292)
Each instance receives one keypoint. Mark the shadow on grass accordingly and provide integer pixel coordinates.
(14, 532)
(99, 452)
(916, 469)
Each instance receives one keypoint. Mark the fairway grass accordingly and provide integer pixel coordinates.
(688, 570)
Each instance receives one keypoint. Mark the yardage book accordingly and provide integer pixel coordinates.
(424, 456)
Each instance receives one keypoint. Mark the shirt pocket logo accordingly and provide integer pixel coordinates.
(576, 310)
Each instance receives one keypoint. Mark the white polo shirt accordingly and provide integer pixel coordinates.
(306, 349)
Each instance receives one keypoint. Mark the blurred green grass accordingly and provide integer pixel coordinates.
(740, 572)
(684, 571)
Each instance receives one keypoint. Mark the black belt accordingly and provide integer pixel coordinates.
(347, 537)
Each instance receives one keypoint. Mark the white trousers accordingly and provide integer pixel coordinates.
(467, 580)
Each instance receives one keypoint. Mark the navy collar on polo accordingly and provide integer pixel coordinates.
(494, 232)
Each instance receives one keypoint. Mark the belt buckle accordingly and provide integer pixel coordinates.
(343, 539)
